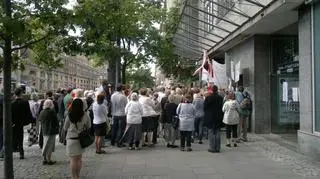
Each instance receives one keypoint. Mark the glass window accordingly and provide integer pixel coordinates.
(316, 16)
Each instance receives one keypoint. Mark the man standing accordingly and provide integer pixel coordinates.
(68, 98)
(21, 116)
(242, 126)
(60, 115)
(213, 117)
(118, 104)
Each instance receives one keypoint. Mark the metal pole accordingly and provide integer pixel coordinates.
(7, 127)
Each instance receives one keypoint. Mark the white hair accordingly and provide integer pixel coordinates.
(134, 97)
(48, 104)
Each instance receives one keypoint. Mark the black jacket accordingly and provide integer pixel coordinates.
(169, 111)
(49, 122)
(21, 113)
(213, 114)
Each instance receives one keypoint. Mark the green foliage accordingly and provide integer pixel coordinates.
(112, 29)
(170, 63)
(139, 78)
(39, 25)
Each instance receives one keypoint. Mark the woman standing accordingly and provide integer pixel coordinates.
(231, 118)
(187, 114)
(76, 121)
(50, 128)
(134, 114)
(34, 129)
(100, 115)
(198, 103)
(147, 120)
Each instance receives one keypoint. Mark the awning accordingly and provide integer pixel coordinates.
(203, 24)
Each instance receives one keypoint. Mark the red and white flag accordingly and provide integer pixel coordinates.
(206, 68)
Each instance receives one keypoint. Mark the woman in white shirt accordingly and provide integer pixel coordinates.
(99, 121)
(231, 118)
(134, 114)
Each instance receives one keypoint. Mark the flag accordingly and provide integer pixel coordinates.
(205, 68)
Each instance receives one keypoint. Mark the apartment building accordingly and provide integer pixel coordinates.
(76, 72)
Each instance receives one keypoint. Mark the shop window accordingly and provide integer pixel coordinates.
(316, 29)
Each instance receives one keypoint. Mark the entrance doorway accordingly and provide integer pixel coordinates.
(287, 103)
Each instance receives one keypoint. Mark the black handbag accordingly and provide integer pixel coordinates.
(175, 122)
(85, 138)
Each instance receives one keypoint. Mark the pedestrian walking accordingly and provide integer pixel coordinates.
(100, 115)
(231, 119)
(245, 110)
(50, 128)
(187, 114)
(134, 114)
(76, 121)
(213, 117)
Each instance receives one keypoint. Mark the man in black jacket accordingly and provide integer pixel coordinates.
(213, 119)
(21, 116)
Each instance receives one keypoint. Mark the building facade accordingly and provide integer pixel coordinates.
(76, 72)
(270, 48)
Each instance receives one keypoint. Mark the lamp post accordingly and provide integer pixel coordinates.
(7, 127)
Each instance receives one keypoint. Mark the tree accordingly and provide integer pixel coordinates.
(29, 24)
(140, 78)
(170, 63)
(122, 31)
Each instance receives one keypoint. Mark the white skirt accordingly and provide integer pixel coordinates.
(74, 148)
(48, 144)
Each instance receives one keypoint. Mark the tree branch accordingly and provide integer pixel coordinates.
(30, 43)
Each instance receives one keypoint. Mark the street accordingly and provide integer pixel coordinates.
(257, 159)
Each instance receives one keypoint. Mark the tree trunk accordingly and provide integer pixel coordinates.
(123, 73)
(7, 127)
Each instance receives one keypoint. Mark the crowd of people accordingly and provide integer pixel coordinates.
(129, 118)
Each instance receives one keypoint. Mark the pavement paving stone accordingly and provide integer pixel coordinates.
(257, 159)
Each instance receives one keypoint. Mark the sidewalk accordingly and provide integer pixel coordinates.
(257, 159)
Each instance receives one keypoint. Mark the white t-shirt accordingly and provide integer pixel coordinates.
(100, 113)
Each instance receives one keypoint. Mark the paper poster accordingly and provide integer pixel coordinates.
(237, 72)
(295, 94)
(285, 91)
(220, 76)
(232, 69)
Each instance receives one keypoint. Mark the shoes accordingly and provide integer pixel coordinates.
(101, 152)
(144, 145)
(228, 145)
(174, 146)
(182, 149)
(121, 145)
(189, 149)
(244, 140)
(235, 145)
(151, 145)
(51, 162)
(213, 151)
(48, 162)
(130, 148)
(200, 142)
(169, 146)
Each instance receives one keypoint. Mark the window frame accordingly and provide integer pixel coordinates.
(314, 90)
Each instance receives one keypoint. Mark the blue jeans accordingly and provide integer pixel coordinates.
(214, 140)
(198, 126)
(118, 128)
(1, 138)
